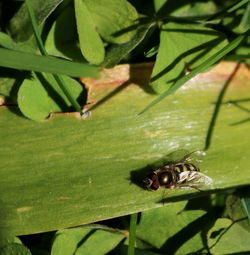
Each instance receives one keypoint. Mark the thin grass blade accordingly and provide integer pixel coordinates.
(206, 64)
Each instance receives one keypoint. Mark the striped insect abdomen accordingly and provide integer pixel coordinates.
(181, 167)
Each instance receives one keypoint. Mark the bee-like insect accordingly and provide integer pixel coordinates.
(180, 174)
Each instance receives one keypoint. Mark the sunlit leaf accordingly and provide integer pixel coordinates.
(91, 43)
(41, 95)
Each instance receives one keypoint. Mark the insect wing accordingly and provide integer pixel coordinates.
(194, 157)
(193, 179)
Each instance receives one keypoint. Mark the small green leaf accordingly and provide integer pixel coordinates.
(227, 237)
(59, 43)
(4, 241)
(182, 46)
(67, 240)
(14, 249)
(187, 9)
(201, 68)
(10, 80)
(7, 42)
(100, 243)
(64, 244)
(40, 96)
(236, 211)
(117, 52)
(114, 19)
(20, 27)
(85, 240)
(90, 42)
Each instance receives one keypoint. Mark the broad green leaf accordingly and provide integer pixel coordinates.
(182, 46)
(20, 25)
(67, 171)
(14, 249)
(173, 230)
(113, 19)
(91, 44)
(41, 95)
(117, 52)
(227, 237)
(37, 63)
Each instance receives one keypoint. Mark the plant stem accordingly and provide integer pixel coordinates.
(132, 233)
(43, 51)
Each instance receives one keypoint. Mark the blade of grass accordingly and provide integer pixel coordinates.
(231, 8)
(245, 21)
(58, 78)
(32, 62)
(132, 233)
(206, 64)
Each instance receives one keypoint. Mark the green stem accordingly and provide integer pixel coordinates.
(132, 233)
(57, 77)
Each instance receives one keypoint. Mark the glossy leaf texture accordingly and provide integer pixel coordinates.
(182, 48)
(68, 171)
(41, 95)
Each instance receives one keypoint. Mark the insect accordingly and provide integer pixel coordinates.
(180, 174)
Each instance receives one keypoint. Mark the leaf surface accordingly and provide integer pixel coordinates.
(225, 237)
(67, 171)
(182, 47)
(41, 95)
(91, 43)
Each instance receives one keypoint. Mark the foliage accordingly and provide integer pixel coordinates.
(45, 46)
(213, 224)
(183, 36)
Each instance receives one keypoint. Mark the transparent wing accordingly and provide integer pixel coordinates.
(194, 179)
(179, 156)
(194, 157)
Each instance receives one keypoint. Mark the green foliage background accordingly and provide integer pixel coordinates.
(70, 170)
